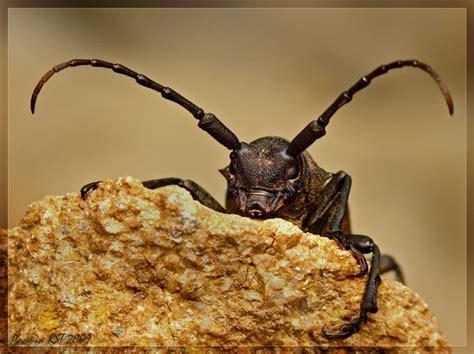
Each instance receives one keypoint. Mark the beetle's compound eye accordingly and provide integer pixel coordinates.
(292, 171)
(232, 168)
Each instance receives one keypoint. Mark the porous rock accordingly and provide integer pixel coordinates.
(132, 266)
(3, 288)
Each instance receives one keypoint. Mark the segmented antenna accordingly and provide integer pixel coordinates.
(207, 121)
(316, 129)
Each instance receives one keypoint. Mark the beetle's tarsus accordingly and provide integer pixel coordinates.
(347, 329)
(85, 190)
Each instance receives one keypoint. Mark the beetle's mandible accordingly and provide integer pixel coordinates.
(273, 177)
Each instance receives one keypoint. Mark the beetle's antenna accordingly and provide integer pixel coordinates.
(207, 121)
(316, 128)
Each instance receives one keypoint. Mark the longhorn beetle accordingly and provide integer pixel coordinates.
(272, 177)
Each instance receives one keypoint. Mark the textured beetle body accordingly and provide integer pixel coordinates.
(259, 186)
(273, 177)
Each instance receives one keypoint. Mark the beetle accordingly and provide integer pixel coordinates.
(273, 177)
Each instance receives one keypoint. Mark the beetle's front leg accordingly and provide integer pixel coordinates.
(328, 214)
(197, 192)
(327, 218)
(369, 298)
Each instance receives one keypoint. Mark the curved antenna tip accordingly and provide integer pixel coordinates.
(447, 97)
(451, 108)
(32, 105)
(449, 102)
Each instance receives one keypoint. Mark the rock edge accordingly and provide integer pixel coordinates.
(132, 266)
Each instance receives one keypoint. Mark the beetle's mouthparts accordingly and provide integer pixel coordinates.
(257, 207)
(256, 213)
(260, 203)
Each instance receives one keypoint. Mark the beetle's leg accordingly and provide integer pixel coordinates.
(197, 192)
(88, 188)
(369, 299)
(333, 198)
(388, 263)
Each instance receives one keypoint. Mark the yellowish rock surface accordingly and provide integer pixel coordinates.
(132, 266)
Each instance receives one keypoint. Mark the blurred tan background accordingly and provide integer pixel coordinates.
(262, 72)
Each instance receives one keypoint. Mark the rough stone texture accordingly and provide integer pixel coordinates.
(3, 288)
(131, 266)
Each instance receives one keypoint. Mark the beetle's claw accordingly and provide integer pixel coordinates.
(87, 188)
(345, 331)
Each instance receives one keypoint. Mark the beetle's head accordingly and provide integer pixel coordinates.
(262, 175)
